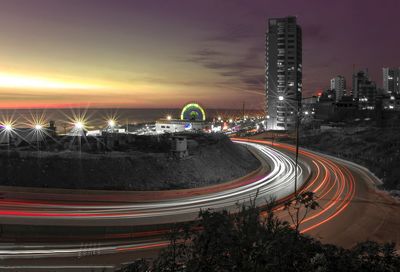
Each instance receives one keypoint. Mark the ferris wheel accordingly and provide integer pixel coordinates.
(193, 112)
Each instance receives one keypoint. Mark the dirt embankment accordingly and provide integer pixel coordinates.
(378, 149)
(212, 159)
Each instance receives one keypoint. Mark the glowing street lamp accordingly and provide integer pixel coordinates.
(79, 125)
(111, 123)
(8, 127)
(38, 127)
(281, 98)
(169, 117)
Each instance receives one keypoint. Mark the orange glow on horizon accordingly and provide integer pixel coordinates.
(30, 82)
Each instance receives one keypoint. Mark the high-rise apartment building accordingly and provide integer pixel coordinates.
(391, 81)
(338, 85)
(283, 73)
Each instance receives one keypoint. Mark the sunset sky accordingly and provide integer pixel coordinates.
(152, 54)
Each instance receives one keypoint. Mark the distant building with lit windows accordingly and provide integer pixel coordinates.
(391, 81)
(364, 91)
(391, 102)
(283, 73)
(338, 85)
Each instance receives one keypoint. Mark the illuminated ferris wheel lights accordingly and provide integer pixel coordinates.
(193, 112)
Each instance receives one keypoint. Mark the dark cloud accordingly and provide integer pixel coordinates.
(207, 52)
(254, 80)
(243, 69)
(253, 59)
(234, 33)
(204, 55)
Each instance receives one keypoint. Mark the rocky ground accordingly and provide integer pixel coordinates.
(212, 159)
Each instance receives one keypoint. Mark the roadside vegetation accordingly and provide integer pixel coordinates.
(256, 240)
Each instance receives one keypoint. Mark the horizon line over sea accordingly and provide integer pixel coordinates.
(97, 117)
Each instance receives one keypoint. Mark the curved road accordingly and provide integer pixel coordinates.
(278, 183)
(351, 210)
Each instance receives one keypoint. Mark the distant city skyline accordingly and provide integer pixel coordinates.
(149, 54)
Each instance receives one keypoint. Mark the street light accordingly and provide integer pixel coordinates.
(8, 127)
(38, 127)
(79, 125)
(169, 117)
(111, 123)
(281, 98)
(38, 132)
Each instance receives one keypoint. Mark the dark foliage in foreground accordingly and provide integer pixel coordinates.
(249, 242)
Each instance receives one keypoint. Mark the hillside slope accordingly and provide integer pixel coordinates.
(213, 159)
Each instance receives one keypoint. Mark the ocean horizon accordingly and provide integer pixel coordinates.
(97, 117)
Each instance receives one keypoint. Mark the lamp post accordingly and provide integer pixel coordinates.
(38, 129)
(8, 128)
(111, 123)
(297, 146)
(297, 126)
(79, 126)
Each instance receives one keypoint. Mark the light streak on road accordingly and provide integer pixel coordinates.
(277, 184)
(332, 183)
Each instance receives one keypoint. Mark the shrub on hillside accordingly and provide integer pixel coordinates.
(249, 241)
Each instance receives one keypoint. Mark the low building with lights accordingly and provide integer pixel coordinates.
(192, 118)
(391, 102)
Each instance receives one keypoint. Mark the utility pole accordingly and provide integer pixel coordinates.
(297, 152)
(243, 110)
(8, 142)
(297, 144)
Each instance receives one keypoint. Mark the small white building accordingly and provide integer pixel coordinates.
(179, 147)
(170, 126)
(174, 125)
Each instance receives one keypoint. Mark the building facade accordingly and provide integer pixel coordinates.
(338, 85)
(364, 91)
(391, 81)
(283, 73)
(358, 78)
